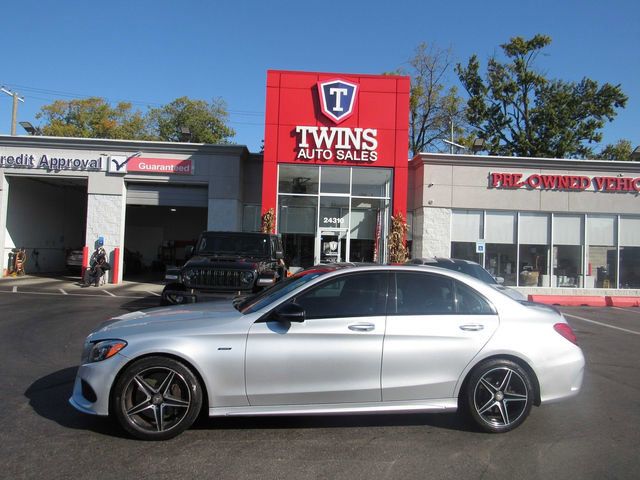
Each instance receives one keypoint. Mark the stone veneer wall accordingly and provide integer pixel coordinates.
(431, 232)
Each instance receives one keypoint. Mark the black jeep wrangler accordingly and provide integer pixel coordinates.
(225, 262)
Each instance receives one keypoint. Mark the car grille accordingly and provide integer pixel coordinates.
(212, 278)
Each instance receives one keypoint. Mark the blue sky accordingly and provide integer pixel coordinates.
(151, 52)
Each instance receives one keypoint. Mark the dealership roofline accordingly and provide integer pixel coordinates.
(523, 162)
(34, 141)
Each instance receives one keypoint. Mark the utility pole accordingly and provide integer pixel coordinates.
(14, 112)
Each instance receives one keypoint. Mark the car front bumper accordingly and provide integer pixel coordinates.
(92, 385)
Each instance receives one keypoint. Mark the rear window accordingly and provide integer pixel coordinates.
(471, 269)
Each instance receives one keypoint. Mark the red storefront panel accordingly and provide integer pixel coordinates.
(373, 133)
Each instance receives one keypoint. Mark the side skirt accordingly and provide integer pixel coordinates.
(433, 405)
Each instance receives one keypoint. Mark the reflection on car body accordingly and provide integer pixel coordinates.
(313, 344)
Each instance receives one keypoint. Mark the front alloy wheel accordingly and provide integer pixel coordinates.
(499, 395)
(157, 398)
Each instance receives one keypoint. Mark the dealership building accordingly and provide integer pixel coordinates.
(333, 172)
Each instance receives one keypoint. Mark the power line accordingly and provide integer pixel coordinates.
(55, 94)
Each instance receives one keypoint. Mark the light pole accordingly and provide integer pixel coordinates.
(14, 113)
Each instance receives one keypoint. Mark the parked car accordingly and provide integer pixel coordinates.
(313, 344)
(225, 262)
(73, 260)
(470, 268)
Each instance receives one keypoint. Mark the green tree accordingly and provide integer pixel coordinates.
(206, 122)
(433, 106)
(621, 150)
(92, 118)
(518, 111)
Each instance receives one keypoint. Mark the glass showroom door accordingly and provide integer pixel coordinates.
(331, 246)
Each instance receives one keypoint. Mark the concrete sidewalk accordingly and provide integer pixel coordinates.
(71, 283)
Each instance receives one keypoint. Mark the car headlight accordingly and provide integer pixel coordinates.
(246, 278)
(188, 276)
(98, 351)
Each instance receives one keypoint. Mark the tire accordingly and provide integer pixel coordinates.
(171, 295)
(156, 398)
(498, 395)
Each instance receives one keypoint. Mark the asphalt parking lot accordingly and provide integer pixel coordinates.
(42, 327)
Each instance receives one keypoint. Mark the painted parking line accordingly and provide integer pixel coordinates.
(152, 293)
(15, 289)
(72, 294)
(629, 309)
(109, 293)
(63, 292)
(601, 324)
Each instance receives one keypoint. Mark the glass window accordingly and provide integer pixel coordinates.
(334, 212)
(500, 261)
(500, 253)
(629, 231)
(355, 295)
(534, 266)
(470, 302)
(534, 230)
(335, 180)
(629, 252)
(465, 251)
(297, 214)
(567, 253)
(472, 269)
(371, 182)
(423, 294)
(501, 227)
(368, 219)
(466, 225)
(298, 179)
(630, 267)
(251, 218)
(279, 290)
(602, 252)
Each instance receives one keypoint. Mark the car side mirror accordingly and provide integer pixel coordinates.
(279, 254)
(500, 280)
(188, 252)
(289, 312)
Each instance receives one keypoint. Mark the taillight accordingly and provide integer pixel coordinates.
(566, 331)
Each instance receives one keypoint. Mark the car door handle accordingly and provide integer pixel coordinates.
(472, 327)
(362, 327)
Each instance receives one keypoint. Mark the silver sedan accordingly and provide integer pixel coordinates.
(333, 339)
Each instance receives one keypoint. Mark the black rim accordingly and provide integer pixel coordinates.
(500, 397)
(156, 400)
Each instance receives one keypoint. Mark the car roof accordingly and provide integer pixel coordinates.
(440, 260)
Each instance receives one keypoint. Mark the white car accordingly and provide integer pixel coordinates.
(333, 339)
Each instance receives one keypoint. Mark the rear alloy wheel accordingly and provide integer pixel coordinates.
(157, 398)
(499, 395)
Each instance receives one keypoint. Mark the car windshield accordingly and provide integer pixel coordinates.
(471, 269)
(216, 244)
(257, 302)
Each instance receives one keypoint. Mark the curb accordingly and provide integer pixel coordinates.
(586, 301)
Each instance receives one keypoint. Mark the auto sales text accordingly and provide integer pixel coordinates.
(337, 144)
(25, 160)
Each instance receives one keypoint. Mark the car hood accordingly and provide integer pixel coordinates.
(239, 261)
(199, 316)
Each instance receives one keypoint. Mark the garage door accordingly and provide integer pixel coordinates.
(167, 195)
